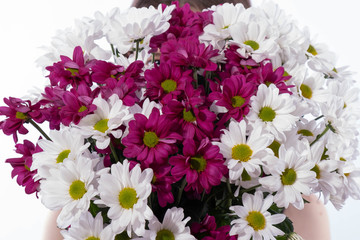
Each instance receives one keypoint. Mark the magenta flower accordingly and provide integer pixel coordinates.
(21, 166)
(201, 163)
(266, 75)
(194, 121)
(52, 103)
(151, 140)
(206, 230)
(69, 71)
(235, 96)
(77, 104)
(125, 88)
(166, 82)
(161, 184)
(189, 52)
(18, 112)
(101, 71)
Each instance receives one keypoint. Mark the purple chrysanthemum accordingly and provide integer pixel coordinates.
(102, 70)
(235, 96)
(22, 166)
(189, 52)
(166, 82)
(151, 140)
(70, 72)
(201, 163)
(206, 230)
(266, 75)
(77, 104)
(17, 113)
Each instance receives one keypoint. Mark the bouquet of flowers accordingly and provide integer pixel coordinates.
(165, 123)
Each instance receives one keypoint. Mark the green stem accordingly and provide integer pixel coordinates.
(321, 134)
(39, 129)
(181, 189)
(195, 76)
(319, 117)
(228, 187)
(249, 189)
(113, 151)
(137, 49)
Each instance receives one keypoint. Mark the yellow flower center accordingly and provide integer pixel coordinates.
(169, 85)
(267, 114)
(82, 108)
(254, 45)
(77, 189)
(288, 177)
(274, 146)
(189, 116)
(150, 139)
(312, 50)
(64, 154)
(128, 197)
(306, 91)
(237, 101)
(241, 152)
(164, 234)
(92, 238)
(20, 115)
(316, 169)
(305, 133)
(198, 163)
(101, 125)
(256, 220)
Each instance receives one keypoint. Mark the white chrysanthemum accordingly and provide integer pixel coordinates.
(84, 34)
(105, 120)
(328, 180)
(293, 43)
(125, 192)
(137, 24)
(64, 144)
(320, 58)
(173, 226)
(69, 188)
(254, 39)
(351, 180)
(254, 221)
(294, 179)
(272, 111)
(311, 90)
(244, 151)
(224, 16)
(87, 228)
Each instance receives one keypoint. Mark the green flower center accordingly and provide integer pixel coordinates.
(20, 115)
(241, 152)
(101, 125)
(342, 159)
(245, 176)
(189, 116)
(169, 85)
(128, 198)
(267, 114)
(64, 154)
(274, 146)
(305, 133)
(306, 91)
(312, 50)
(92, 238)
(82, 108)
(150, 139)
(254, 45)
(256, 220)
(237, 101)
(198, 163)
(288, 177)
(77, 189)
(164, 234)
(316, 169)
(122, 236)
(73, 71)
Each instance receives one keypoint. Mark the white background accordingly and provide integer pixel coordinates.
(27, 25)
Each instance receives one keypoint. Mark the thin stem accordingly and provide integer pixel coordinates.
(113, 151)
(319, 117)
(181, 189)
(249, 189)
(137, 49)
(195, 76)
(328, 126)
(39, 129)
(228, 187)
